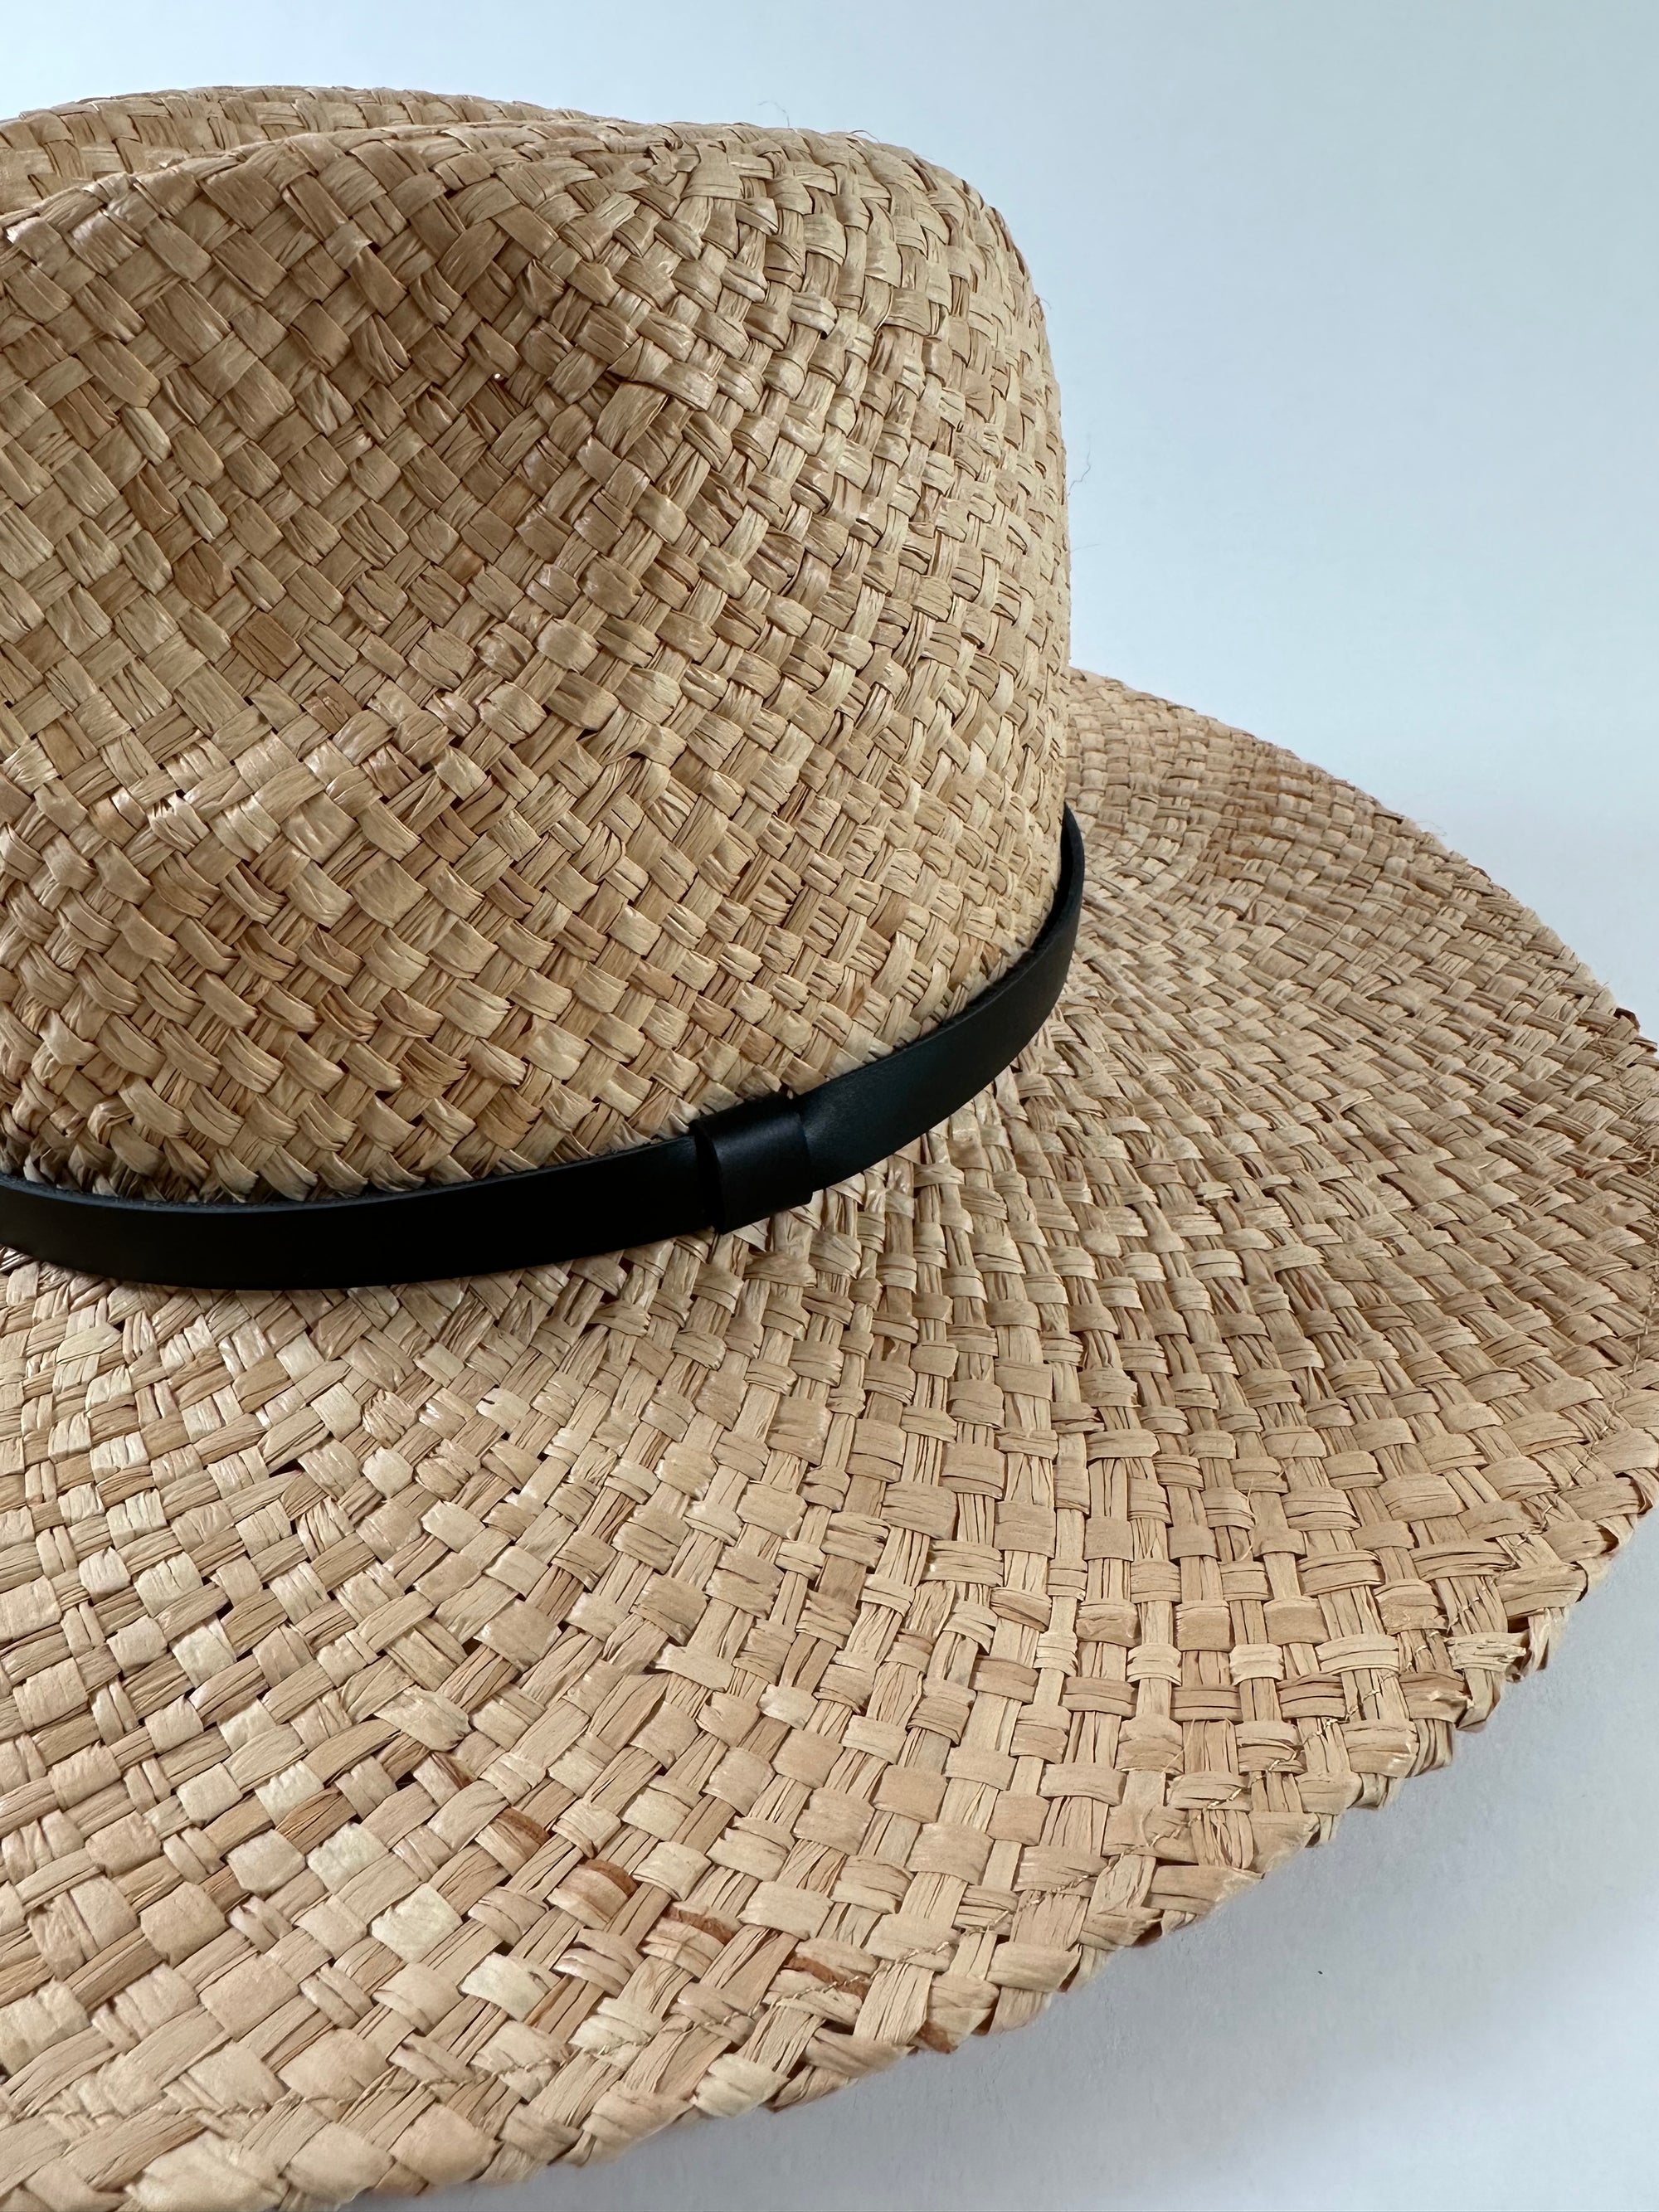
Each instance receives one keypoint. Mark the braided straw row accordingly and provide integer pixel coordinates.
(448, 1729)
(512, 633)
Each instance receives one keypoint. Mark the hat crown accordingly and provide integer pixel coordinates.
(512, 634)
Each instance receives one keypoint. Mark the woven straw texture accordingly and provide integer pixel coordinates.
(449, 1730)
(43, 152)
(534, 631)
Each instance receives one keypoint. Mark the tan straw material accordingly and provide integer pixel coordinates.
(515, 630)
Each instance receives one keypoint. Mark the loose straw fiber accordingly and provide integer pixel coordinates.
(514, 630)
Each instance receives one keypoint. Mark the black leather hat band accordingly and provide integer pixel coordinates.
(729, 1169)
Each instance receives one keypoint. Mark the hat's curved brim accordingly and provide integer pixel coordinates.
(455, 1728)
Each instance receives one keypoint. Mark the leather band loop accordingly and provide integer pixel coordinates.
(731, 1168)
(756, 1160)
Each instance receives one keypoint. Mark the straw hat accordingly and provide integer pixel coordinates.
(517, 633)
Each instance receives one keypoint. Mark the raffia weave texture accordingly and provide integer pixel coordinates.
(42, 152)
(450, 1730)
(530, 632)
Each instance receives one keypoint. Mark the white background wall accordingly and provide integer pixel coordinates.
(1356, 310)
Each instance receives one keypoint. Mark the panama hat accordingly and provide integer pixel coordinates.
(692, 1393)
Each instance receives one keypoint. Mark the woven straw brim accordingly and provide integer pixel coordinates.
(461, 1727)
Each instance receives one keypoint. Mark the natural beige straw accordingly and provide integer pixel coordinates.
(515, 630)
